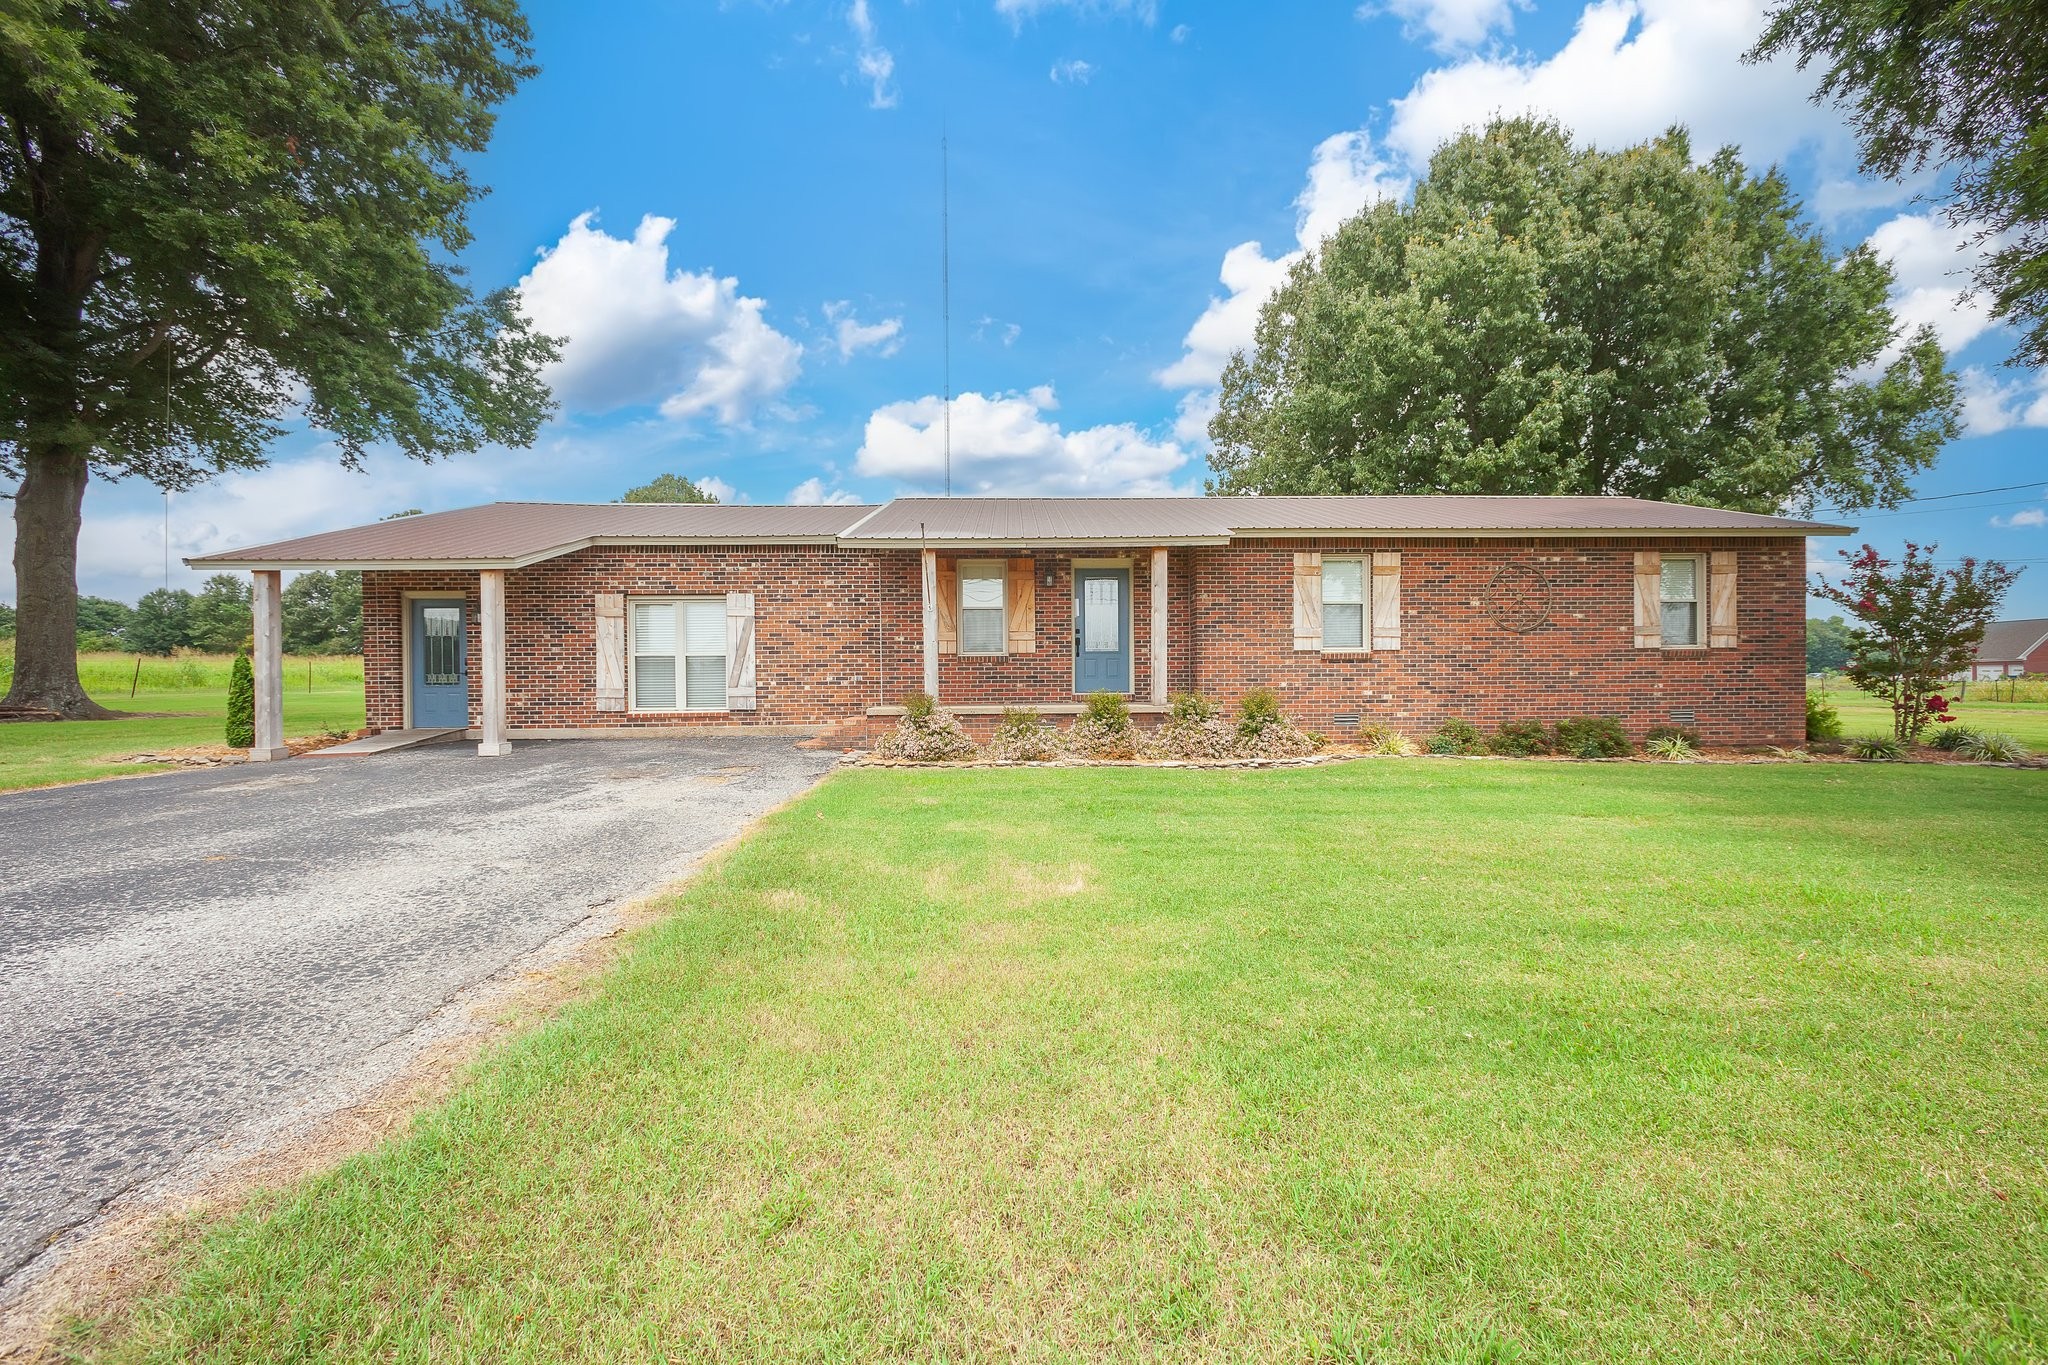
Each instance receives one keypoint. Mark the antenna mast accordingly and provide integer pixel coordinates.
(946, 294)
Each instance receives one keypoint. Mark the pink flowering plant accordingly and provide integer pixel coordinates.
(1916, 626)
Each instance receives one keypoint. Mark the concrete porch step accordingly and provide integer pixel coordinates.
(384, 743)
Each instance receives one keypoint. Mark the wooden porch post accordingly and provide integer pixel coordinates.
(931, 623)
(1159, 627)
(268, 665)
(491, 595)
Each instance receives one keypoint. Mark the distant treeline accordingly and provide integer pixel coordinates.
(322, 611)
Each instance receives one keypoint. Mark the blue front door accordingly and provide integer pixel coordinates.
(1102, 630)
(440, 664)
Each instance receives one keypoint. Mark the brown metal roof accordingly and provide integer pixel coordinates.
(1020, 521)
(2009, 642)
(511, 534)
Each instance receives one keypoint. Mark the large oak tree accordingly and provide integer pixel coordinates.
(218, 214)
(1549, 318)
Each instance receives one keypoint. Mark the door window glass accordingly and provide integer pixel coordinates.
(441, 647)
(1101, 628)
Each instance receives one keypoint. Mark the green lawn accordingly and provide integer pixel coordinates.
(39, 753)
(1403, 1060)
(2027, 722)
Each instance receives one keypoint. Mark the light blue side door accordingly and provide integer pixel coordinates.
(440, 664)
(1102, 630)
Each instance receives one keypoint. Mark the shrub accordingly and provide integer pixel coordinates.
(1684, 732)
(1823, 721)
(1184, 707)
(925, 734)
(1457, 736)
(241, 731)
(1519, 739)
(1993, 748)
(1109, 711)
(1673, 748)
(1952, 737)
(1258, 710)
(1092, 738)
(1593, 737)
(1191, 740)
(1023, 737)
(1383, 739)
(1790, 755)
(1276, 741)
(1877, 749)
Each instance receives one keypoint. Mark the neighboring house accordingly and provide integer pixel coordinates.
(546, 620)
(2011, 648)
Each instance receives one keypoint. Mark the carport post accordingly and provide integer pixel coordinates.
(491, 594)
(269, 667)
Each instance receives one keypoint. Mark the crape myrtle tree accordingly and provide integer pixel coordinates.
(1958, 87)
(218, 214)
(1915, 626)
(1548, 318)
(668, 488)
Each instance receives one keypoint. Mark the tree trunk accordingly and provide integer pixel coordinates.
(47, 509)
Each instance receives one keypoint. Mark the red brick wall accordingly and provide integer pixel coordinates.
(840, 630)
(1456, 659)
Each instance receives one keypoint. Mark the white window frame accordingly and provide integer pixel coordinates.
(633, 706)
(999, 570)
(1699, 599)
(1364, 604)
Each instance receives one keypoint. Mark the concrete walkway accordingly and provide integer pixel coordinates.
(182, 954)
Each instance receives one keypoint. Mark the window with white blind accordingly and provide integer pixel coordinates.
(984, 620)
(678, 655)
(1679, 594)
(1344, 586)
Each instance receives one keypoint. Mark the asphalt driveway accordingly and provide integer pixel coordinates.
(181, 955)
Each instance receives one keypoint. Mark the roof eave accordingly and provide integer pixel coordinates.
(1501, 532)
(1021, 542)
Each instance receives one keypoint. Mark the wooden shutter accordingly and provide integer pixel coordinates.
(1308, 599)
(1649, 600)
(1021, 597)
(739, 651)
(949, 607)
(1721, 630)
(1386, 599)
(611, 651)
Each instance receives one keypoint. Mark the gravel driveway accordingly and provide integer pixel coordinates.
(182, 955)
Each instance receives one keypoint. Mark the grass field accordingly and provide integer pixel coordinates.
(1395, 1061)
(2027, 722)
(35, 754)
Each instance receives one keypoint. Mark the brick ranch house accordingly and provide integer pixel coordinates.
(2011, 649)
(547, 620)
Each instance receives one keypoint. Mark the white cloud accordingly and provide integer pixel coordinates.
(1345, 174)
(1450, 25)
(2032, 516)
(1072, 71)
(987, 327)
(1005, 443)
(813, 493)
(1993, 405)
(1631, 69)
(638, 333)
(1932, 262)
(1179, 34)
(852, 336)
(876, 64)
(719, 488)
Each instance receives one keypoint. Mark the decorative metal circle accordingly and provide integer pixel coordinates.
(1518, 598)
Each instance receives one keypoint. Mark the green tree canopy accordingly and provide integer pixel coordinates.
(1546, 318)
(213, 213)
(323, 612)
(6, 620)
(103, 616)
(668, 488)
(1827, 644)
(220, 619)
(1953, 85)
(160, 623)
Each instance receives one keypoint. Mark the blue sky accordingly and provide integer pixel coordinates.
(732, 211)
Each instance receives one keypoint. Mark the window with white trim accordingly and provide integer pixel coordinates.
(678, 655)
(984, 616)
(1679, 593)
(1344, 588)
